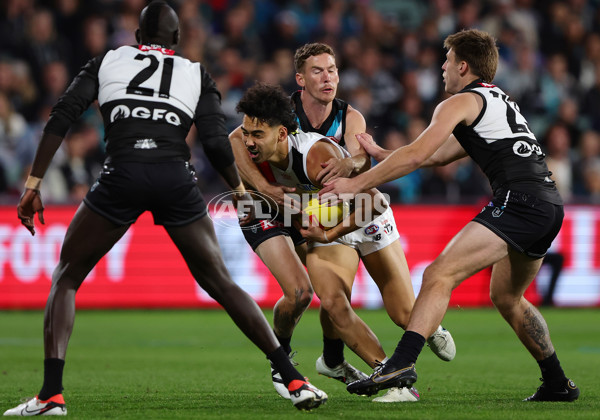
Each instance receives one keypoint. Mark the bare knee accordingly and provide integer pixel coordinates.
(400, 315)
(300, 299)
(435, 277)
(337, 308)
(504, 302)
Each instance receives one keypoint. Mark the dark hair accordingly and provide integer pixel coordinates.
(478, 49)
(268, 104)
(310, 50)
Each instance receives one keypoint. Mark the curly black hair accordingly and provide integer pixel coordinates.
(268, 104)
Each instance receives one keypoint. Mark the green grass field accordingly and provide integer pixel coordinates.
(197, 364)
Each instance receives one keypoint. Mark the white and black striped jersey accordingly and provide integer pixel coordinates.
(295, 175)
(503, 146)
(149, 97)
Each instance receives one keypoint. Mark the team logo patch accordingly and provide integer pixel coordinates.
(119, 112)
(371, 229)
(497, 212)
(524, 149)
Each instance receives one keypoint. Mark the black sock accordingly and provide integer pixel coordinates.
(333, 351)
(281, 362)
(53, 374)
(552, 372)
(408, 349)
(285, 343)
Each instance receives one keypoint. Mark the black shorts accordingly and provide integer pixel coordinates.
(262, 229)
(125, 190)
(526, 223)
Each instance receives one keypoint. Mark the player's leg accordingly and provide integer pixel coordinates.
(332, 270)
(471, 250)
(280, 257)
(198, 245)
(389, 270)
(510, 278)
(88, 238)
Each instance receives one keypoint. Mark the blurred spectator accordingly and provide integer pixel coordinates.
(125, 22)
(587, 76)
(55, 79)
(389, 58)
(591, 101)
(16, 146)
(369, 74)
(80, 167)
(556, 84)
(588, 158)
(557, 142)
(406, 189)
(44, 44)
(95, 39)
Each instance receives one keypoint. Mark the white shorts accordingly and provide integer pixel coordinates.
(378, 234)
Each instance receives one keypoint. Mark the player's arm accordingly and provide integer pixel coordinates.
(359, 161)
(251, 174)
(82, 91)
(448, 152)
(210, 124)
(322, 151)
(406, 159)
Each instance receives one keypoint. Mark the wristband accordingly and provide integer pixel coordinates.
(33, 183)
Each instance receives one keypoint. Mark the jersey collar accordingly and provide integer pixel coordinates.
(155, 47)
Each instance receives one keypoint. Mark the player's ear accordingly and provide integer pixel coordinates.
(283, 132)
(300, 79)
(463, 67)
(138, 38)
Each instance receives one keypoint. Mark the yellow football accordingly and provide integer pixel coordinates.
(327, 216)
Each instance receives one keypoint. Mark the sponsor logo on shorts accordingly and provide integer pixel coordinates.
(371, 229)
(388, 228)
(497, 212)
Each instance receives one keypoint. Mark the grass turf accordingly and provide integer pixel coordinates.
(197, 364)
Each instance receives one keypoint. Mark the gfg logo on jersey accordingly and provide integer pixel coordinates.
(525, 149)
(156, 114)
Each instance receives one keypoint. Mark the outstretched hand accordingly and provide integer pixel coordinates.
(373, 149)
(277, 193)
(335, 168)
(338, 190)
(30, 204)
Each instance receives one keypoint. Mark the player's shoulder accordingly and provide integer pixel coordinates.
(354, 117)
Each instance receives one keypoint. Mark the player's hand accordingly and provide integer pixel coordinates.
(277, 193)
(373, 149)
(30, 204)
(244, 205)
(337, 190)
(335, 168)
(313, 232)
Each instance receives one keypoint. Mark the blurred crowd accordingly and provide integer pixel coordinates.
(389, 55)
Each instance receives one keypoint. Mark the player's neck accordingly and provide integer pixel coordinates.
(316, 111)
(281, 158)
